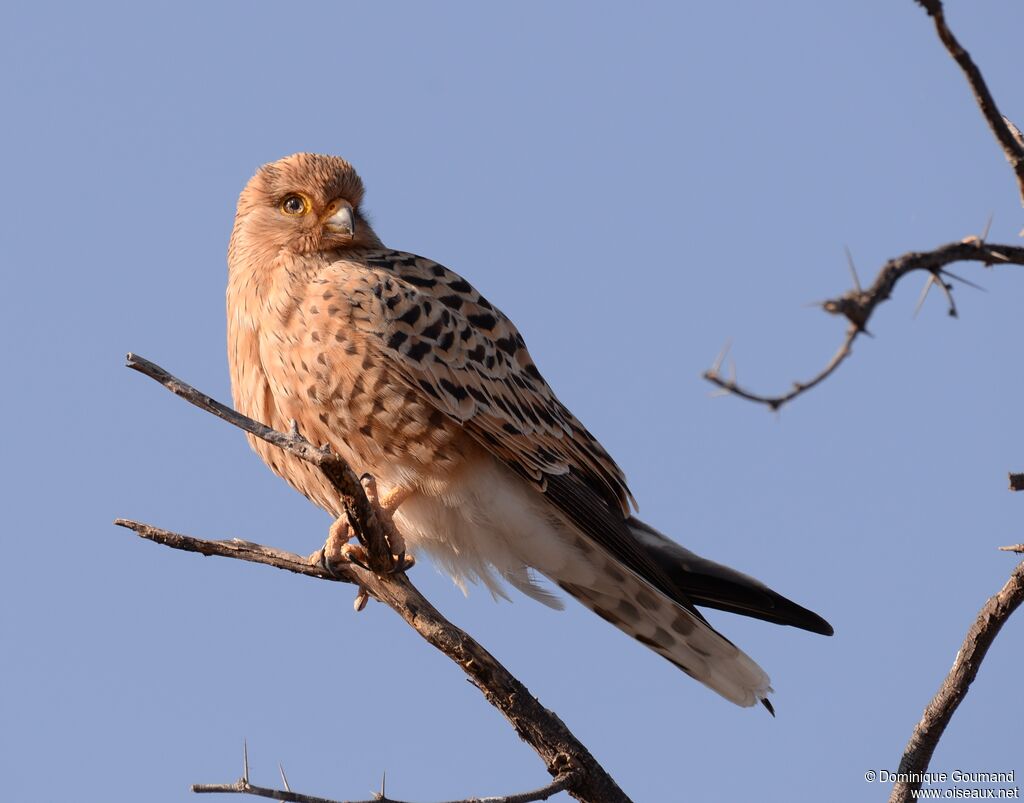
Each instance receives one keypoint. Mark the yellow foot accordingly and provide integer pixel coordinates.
(338, 548)
(384, 507)
(336, 551)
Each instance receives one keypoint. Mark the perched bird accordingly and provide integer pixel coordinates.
(410, 375)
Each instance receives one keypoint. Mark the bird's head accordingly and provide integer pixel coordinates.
(304, 203)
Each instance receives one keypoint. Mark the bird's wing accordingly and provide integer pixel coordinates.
(464, 356)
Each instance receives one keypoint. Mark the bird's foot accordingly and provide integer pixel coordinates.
(337, 551)
(384, 507)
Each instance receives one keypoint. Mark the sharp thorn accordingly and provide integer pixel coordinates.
(924, 293)
(721, 357)
(969, 283)
(284, 778)
(946, 291)
(245, 761)
(853, 269)
(988, 227)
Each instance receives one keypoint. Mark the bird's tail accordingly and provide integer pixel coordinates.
(659, 612)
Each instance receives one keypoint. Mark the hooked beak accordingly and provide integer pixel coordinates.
(342, 221)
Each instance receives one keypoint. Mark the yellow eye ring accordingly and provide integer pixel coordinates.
(294, 205)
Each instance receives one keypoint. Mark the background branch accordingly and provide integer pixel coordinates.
(1005, 132)
(542, 729)
(858, 304)
(939, 712)
(243, 787)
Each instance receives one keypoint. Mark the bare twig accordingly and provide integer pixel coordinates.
(858, 305)
(1005, 132)
(562, 753)
(242, 550)
(956, 684)
(360, 513)
(243, 787)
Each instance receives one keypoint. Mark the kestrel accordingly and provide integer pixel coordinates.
(413, 377)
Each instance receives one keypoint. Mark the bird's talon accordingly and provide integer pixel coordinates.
(319, 559)
(354, 553)
(325, 562)
(402, 563)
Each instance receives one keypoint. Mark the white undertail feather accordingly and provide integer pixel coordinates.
(490, 525)
(675, 633)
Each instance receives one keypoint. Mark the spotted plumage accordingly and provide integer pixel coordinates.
(411, 375)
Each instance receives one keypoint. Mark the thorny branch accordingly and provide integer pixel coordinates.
(244, 787)
(858, 305)
(1005, 132)
(954, 687)
(562, 753)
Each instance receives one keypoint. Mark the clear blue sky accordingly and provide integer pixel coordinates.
(633, 185)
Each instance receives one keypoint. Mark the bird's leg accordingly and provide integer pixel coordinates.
(337, 549)
(385, 506)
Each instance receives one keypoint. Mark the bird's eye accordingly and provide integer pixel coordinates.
(294, 205)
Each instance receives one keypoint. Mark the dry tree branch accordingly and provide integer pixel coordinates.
(858, 305)
(564, 756)
(246, 788)
(1005, 132)
(358, 508)
(243, 787)
(954, 687)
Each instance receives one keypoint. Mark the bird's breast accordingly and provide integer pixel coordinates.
(311, 355)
